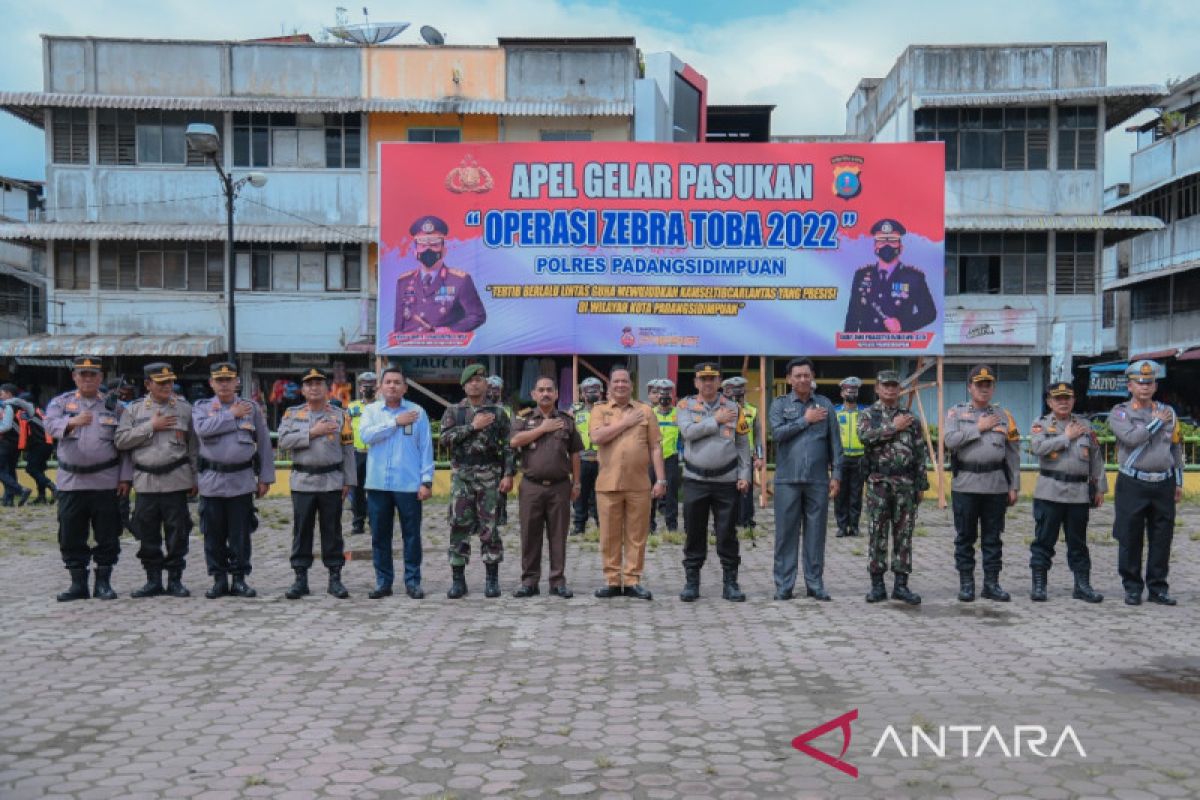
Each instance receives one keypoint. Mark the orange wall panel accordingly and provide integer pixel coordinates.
(428, 73)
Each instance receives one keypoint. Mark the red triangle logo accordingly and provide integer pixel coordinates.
(801, 743)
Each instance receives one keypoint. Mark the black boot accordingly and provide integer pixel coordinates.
(966, 585)
(335, 584)
(491, 584)
(175, 586)
(78, 589)
(103, 590)
(1083, 588)
(458, 584)
(900, 590)
(240, 588)
(220, 587)
(731, 591)
(299, 588)
(992, 589)
(153, 587)
(878, 591)
(691, 585)
(1038, 593)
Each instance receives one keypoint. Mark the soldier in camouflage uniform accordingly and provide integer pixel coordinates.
(896, 478)
(477, 436)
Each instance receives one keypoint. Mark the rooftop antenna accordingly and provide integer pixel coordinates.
(432, 35)
(368, 32)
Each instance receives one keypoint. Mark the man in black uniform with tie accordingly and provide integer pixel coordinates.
(889, 296)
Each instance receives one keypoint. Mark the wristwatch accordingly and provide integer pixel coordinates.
(662, 482)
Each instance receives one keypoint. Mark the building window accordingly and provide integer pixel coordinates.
(1108, 310)
(69, 134)
(116, 136)
(566, 136)
(72, 265)
(126, 138)
(1075, 263)
(1150, 299)
(191, 266)
(311, 268)
(307, 141)
(1185, 294)
(988, 138)
(1077, 137)
(996, 263)
(435, 135)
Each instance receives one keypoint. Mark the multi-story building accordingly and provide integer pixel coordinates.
(22, 269)
(1152, 281)
(1023, 128)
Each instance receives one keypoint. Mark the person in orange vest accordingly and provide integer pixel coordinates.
(38, 446)
(10, 447)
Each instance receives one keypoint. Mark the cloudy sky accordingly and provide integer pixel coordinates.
(805, 57)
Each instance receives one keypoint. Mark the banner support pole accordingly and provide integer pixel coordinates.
(763, 408)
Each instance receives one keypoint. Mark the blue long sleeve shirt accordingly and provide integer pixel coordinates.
(397, 461)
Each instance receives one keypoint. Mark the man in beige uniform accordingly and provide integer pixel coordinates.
(157, 430)
(626, 435)
(320, 438)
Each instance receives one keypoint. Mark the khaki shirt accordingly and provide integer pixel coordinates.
(1056, 453)
(323, 451)
(548, 457)
(709, 446)
(151, 448)
(1131, 428)
(997, 449)
(625, 461)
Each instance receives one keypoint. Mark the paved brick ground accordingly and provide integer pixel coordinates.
(587, 698)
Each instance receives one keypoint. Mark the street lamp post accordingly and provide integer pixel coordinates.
(204, 139)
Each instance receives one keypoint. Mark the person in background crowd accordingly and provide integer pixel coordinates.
(847, 508)
(735, 389)
(39, 447)
(367, 385)
(661, 397)
(10, 445)
(591, 391)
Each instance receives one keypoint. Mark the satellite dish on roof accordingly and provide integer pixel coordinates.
(369, 32)
(432, 35)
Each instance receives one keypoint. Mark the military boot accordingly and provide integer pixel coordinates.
(900, 590)
(731, 591)
(966, 585)
(1083, 588)
(491, 584)
(175, 586)
(458, 584)
(153, 587)
(1038, 593)
(878, 591)
(103, 590)
(220, 587)
(300, 587)
(240, 588)
(992, 589)
(691, 585)
(336, 588)
(78, 589)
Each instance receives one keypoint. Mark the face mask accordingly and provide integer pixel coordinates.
(738, 398)
(851, 397)
(591, 397)
(429, 257)
(368, 392)
(887, 253)
(664, 400)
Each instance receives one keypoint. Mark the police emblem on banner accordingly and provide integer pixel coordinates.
(468, 176)
(847, 183)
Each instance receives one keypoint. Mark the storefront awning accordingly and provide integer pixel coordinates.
(1153, 354)
(96, 345)
(1192, 354)
(186, 232)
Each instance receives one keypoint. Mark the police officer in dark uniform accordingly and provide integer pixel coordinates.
(1149, 486)
(889, 296)
(92, 476)
(236, 464)
(1070, 480)
(320, 438)
(435, 296)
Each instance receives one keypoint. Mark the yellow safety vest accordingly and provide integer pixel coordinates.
(848, 424)
(582, 414)
(668, 426)
(355, 410)
(751, 414)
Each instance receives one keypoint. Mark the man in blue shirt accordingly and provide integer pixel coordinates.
(399, 478)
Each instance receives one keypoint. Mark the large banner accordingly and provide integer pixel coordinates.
(612, 247)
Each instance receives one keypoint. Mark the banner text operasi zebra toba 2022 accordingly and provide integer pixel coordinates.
(620, 247)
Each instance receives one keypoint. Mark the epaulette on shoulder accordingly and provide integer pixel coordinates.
(408, 274)
(458, 273)
(523, 413)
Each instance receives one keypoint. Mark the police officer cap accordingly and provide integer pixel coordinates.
(496, 381)
(428, 225)
(1144, 371)
(470, 371)
(588, 383)
(159, 372)
(315, 374)
(981, 373)
(1060, 389)
(91, 363)
(708, 369)
(852, 382)
(888, 376)
(223, 369)
(887, 227)
(736, 382)
(368, 377)
(666, 383)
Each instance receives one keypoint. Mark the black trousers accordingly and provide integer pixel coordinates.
(83, 511)
(154, 513)
(309, 508)
(226, 523)
(700, 500)
(8, 470)
(1144, 512)
(746, 503)
(358, 495)
(847, 506)
(585, 505)
(36, 456)
(978, 516)
(668, 504)
(1048, 518)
